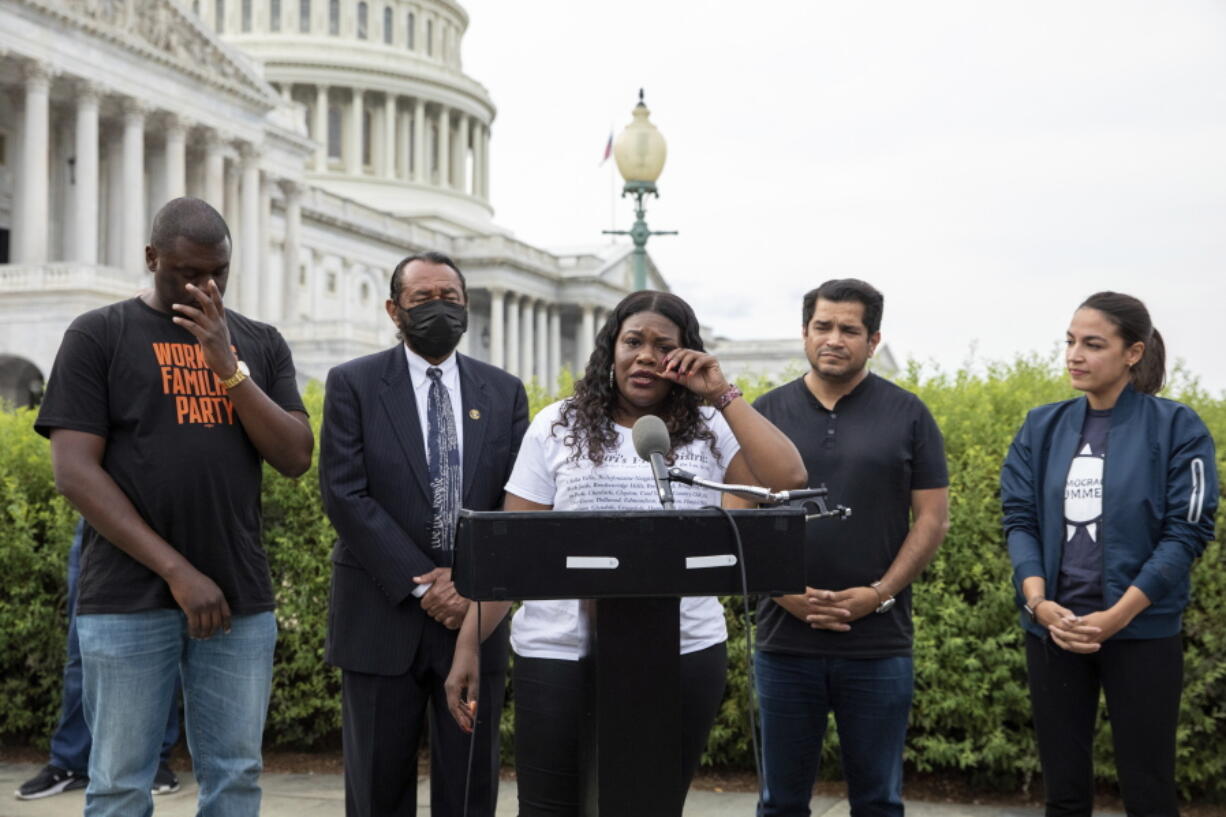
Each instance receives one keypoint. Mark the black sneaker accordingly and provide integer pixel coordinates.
(165, 781)
(51, 780)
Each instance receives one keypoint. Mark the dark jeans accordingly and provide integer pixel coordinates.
(1142, 680)
(871, 700)
(70, 743)
(549, 717)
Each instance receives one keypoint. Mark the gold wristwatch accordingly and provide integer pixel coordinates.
(240, 374)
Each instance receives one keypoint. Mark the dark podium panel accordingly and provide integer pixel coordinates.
(521, 555)
(632, 567)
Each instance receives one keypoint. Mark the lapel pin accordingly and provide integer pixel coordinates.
(474, 414)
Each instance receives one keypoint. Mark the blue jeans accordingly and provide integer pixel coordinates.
(70, 742)
(130, 663)
(871, 700)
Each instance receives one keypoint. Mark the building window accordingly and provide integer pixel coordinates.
(220, 23)
(332, 282)
(246, 16)
(429, 38)
(334, 17)
(365, 292)
(366, 131)
(334, 132)
(4, 149)
(304, 16)
(302, 275)
(362, 21)
(274, 15)
(196, 7)
(412, 38)
(387, 25)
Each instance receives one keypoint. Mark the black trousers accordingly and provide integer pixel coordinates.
(549, 720)
(382, 723)
(1142, 680)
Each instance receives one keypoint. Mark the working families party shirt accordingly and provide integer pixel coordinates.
(174, 445)
(547, 473)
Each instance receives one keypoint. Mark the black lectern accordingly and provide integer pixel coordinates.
(637, 565)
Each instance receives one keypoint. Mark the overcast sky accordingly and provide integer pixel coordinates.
(985, 164)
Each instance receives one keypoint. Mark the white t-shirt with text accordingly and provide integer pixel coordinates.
(546, 473)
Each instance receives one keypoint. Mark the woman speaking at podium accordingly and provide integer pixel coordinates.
(578, 455)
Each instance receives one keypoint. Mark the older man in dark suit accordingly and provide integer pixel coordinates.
(410, 435)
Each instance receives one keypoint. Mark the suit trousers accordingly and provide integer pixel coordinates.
(383, 716)
(1142, 680)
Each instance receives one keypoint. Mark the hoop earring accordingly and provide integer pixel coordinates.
(612, 381)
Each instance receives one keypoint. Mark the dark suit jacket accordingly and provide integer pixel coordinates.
(375, 484)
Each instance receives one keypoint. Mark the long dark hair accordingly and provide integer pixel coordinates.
(587, 415)
(1131, 320)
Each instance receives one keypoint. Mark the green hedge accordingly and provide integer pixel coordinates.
(971, 712)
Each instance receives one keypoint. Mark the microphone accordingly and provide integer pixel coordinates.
(651, 442)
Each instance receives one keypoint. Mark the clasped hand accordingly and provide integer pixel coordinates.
(831, 609)
(1080, 634)
(441, 602)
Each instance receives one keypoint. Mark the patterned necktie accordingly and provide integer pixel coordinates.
(444, 449)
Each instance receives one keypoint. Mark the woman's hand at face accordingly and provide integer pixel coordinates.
(697, 371)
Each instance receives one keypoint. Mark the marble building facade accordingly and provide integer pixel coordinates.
(335, 136)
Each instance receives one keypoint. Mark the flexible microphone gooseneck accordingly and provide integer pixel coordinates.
(651, 442)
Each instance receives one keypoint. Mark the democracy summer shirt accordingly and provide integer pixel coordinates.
(546, 473)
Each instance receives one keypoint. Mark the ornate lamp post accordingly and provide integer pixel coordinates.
(640, 151)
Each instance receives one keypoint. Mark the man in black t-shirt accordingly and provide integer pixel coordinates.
(844, 646)
(160, 410)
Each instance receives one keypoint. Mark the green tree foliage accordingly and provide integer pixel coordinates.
(971, 714)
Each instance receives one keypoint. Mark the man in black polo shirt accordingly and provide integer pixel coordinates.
(844, 645)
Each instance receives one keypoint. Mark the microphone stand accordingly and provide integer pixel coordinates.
(816, 507)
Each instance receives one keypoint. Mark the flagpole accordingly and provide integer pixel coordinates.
(612, 201)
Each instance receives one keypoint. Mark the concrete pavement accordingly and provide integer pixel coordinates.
(322, 795)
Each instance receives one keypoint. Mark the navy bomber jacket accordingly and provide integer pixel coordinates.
(1160, 494)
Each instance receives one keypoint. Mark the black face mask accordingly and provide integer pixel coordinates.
(434, 328)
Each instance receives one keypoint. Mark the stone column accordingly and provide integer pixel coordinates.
(485, 162)
(420, 165)
(233, 196)
(542, 344)
(85, 196)
(527, 310)
(512, 364)
(292, 255)
(114, 200)
(32, 216)
(444, 147)
(497, 338)
(461, 175)
(249, 217)
(176, 158)
(321, 128)
(555, 346)
(587, 337)
(402, 144)
(133, 186)
(214, 171)
(271, 286)
(478, 158)
(353, 147)
(389, 136)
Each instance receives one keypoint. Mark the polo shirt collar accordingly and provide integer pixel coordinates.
(860, 388)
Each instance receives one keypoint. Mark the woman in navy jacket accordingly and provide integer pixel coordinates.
(1108, 500)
